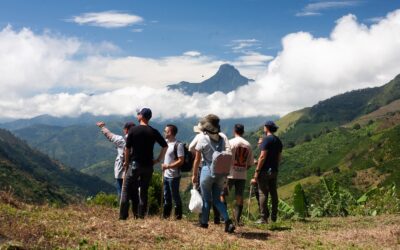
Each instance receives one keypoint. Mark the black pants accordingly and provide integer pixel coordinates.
(139, 179)
(267, 185)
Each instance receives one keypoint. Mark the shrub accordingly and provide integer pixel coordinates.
(384, 200)
(103, 199)
(356, 126)
(299, 202)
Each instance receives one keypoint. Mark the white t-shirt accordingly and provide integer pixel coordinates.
(170, 158)
(203, 145)
(242, 158)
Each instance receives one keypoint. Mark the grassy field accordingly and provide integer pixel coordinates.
(95, 227)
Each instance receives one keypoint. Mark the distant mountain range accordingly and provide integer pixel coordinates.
(227, 78)
(83, 147)
(34, 177)
(64, 121)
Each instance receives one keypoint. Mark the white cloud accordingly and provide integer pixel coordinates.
(192, 53)
(375, 19)
(107, 19)
(307, 70)
(31, 64)
(308, 13)
(314, 9)
(244, 45)
(253, 59)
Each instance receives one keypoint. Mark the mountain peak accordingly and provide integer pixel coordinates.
(226, 79)
(227, 67)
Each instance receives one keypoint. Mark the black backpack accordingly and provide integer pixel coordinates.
(187, 157)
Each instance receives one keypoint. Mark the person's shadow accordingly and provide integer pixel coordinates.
(255, 235)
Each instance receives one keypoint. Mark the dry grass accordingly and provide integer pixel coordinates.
(381, 114)
(367, 178)
(85, 227)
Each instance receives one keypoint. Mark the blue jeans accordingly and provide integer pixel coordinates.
(210, 190)
(118, 184)
(171, 191)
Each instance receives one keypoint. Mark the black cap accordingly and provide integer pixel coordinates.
(271, 124)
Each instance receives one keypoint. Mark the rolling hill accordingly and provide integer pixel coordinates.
(34, 177)
(351, 138)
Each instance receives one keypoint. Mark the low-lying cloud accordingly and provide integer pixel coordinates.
(50, 80)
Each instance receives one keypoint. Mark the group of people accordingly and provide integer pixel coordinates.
(134, 168)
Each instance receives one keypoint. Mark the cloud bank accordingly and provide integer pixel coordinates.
(45, 74)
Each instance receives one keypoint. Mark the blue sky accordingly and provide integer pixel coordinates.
(111, 57)
(173, 27)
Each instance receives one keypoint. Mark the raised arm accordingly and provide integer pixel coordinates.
(118, 140)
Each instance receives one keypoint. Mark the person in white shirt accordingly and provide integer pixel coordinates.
(211, 184)
(173, 160)
(242, 160)
(119, 142)
(192, 149)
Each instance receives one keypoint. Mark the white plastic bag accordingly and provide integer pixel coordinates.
(196, 202)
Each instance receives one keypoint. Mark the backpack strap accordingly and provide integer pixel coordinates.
(209, 142)
(176, 149)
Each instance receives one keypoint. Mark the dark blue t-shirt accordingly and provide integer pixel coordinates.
(273, 146)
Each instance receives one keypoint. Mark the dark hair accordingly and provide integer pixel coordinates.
(239, 129)
(272, 129)
(129, 125)
(173, 128)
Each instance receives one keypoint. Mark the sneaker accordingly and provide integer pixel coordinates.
(261, 221)
(229, 227)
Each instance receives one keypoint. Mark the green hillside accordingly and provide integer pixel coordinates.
(336, 111)
(345, 151)
(289, 121)
(76, 146)
(350, 138)
(104, 170)
(35, 177)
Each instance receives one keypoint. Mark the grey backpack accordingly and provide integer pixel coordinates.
(221, 160)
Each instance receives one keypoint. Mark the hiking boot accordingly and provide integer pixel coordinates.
(201, 225)
(237, 213)
(261, 221)
(229, 227)
(178, 212)
(217, 220)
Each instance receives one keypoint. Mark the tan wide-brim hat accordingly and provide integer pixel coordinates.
(210, 123)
